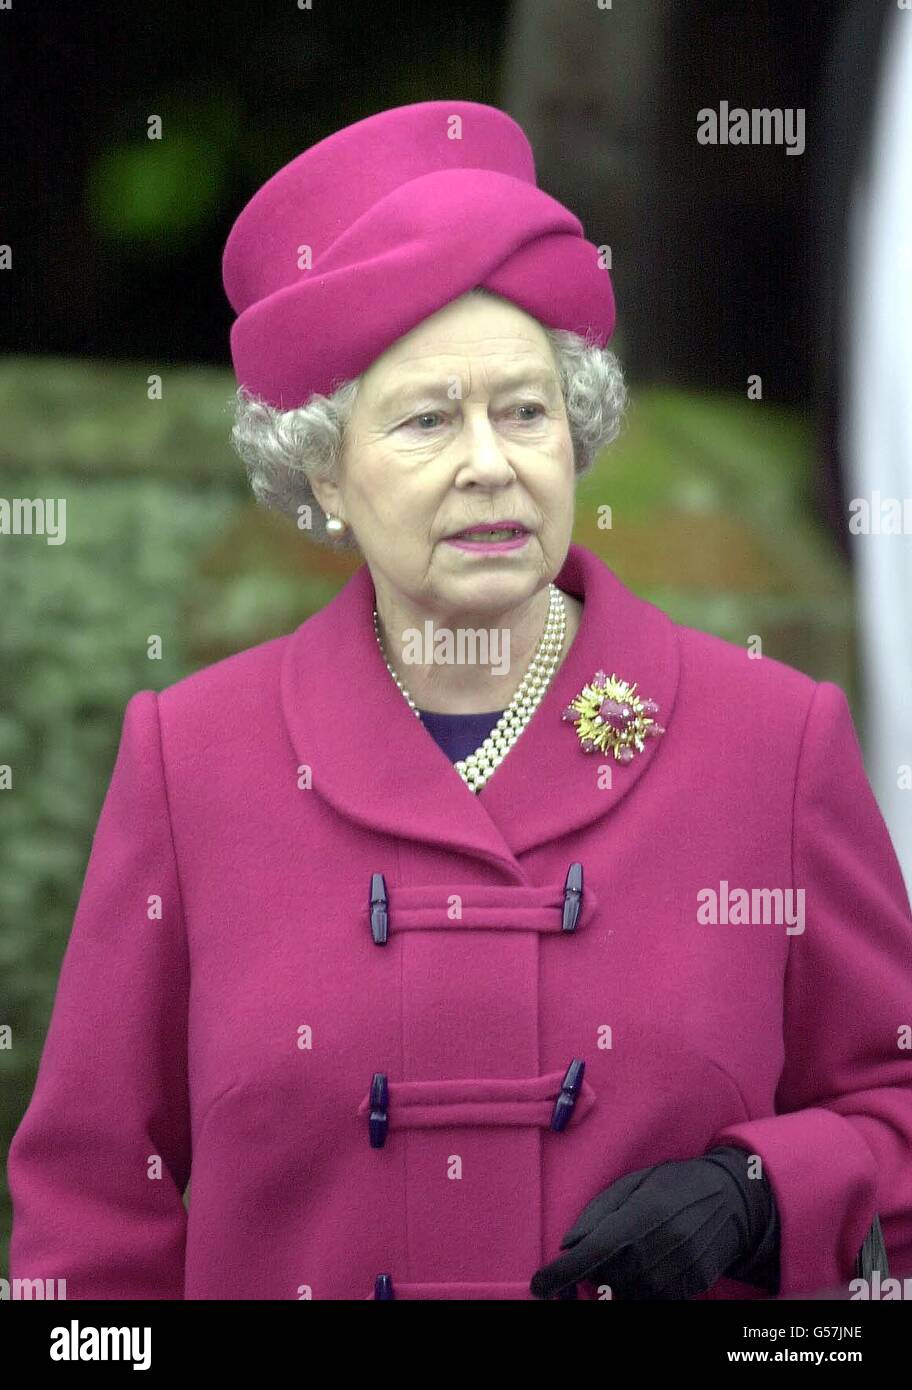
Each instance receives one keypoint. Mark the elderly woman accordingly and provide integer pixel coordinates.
(490, 936)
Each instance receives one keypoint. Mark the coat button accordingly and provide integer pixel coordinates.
(378, 1119)
(379, 910)
(570, 1088)
(573, 897)
(383, 1286)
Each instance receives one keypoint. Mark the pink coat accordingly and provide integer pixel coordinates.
(239, 1027)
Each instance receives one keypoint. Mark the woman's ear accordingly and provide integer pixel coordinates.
(327, 494)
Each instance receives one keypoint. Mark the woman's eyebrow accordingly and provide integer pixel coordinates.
(400, 395)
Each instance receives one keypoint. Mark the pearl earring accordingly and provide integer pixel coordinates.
(334, 525)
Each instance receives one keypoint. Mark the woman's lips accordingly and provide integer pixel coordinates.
(486, 547)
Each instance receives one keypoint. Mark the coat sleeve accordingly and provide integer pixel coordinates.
(98, 1166)
(839, 1147)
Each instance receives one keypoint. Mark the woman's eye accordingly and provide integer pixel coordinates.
(417, 420)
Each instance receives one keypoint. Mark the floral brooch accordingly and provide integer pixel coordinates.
(608, 714)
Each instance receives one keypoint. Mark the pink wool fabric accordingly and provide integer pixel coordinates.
(370, 231)
(235, 1038)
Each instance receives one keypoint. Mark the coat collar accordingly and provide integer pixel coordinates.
(375, 763)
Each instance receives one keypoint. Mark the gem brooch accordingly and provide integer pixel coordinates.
(609, 715)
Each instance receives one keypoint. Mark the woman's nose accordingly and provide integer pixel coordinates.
(484, 458)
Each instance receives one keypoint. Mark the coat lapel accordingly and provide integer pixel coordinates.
(376, 764)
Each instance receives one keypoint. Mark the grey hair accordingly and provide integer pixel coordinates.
(283, 450)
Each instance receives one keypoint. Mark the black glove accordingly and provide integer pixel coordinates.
(671, 1231)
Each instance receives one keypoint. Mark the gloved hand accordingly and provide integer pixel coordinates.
(670, 1231)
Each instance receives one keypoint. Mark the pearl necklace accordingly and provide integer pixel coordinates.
(478, 767)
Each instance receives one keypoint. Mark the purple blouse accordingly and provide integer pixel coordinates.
(459, 734)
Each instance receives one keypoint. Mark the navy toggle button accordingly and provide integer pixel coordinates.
(570, 1088)
(379, 910)
(378, 1119)
(573, 896)
(383, 1286)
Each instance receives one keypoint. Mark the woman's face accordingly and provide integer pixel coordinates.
(460, 422)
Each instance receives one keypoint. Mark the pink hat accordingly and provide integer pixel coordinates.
(402, 212)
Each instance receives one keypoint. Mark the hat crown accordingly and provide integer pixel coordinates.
(312, 200)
